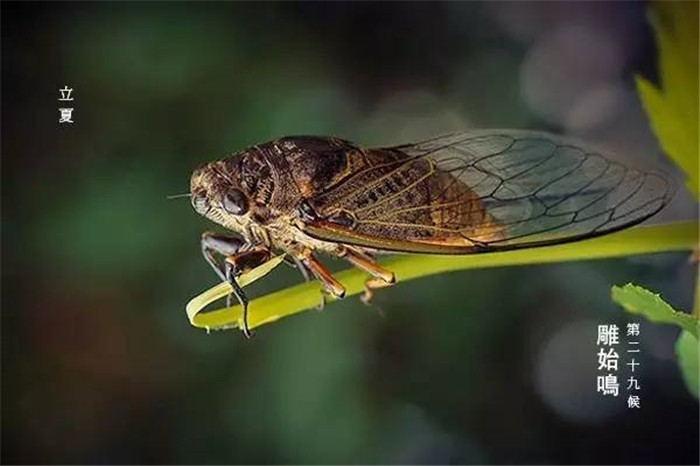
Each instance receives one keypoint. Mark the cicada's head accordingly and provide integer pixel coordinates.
(220, 192)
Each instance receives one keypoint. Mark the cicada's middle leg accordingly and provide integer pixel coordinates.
(239, 257)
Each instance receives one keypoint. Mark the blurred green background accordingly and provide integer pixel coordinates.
(99, 363)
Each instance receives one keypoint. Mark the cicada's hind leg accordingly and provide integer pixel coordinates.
(381, 278)
(239, 257)
(330, 285)
(372, 284)
(295, 262)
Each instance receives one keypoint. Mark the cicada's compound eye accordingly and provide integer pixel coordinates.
(200, 202)
(235, 202)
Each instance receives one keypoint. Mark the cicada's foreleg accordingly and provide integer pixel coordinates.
(239, 257)
(330, 285)
(381, 278)
(240, 295)
(236, 265)
(224, 245)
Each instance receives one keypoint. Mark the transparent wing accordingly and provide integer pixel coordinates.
(536, 188)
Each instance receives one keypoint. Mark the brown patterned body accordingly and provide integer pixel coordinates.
(321, 192)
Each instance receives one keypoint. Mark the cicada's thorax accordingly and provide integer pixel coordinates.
(281, 176)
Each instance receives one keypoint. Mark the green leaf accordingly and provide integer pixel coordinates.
(637, 300)
(687, 349)
(673, 107)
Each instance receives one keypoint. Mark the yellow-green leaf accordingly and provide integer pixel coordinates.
(198, 303)
(268, 308)
(673, 108)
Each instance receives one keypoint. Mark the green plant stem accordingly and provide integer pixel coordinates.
(271, 307)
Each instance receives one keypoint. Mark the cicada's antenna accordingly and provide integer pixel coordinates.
(176, 196)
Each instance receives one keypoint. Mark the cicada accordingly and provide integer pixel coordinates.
(464, 193)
